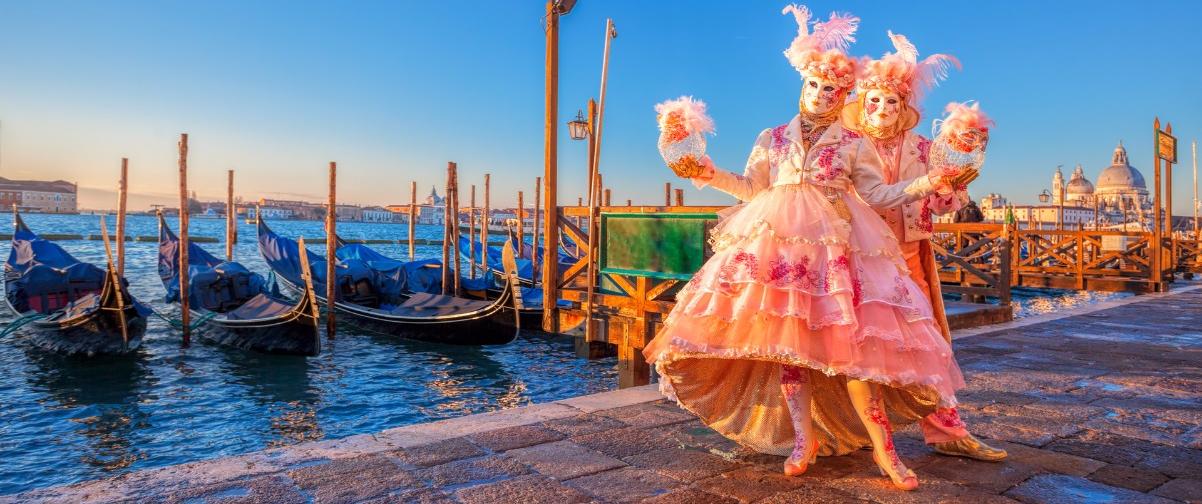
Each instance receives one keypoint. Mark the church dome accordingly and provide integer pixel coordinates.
(1120, 175)
(1078, 184)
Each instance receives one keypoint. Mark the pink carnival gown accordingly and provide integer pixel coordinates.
(806, 274)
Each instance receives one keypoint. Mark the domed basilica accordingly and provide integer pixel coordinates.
(1120, 188)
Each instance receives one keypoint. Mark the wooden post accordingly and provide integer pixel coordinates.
(680, 197)
(446, 229)
(122, 190)
(1168, 209)
(231, 221)
(331, 251)
(538, 183)
(455, 227)
(484, 228)
(1080, 255)
(629, 202)
(471, 234)
(667, 194)
(607, 197)
(185, 314)
(412, 217)
(550, 164)
(1157, 267)
(521, 215)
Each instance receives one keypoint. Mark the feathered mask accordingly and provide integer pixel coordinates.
(902, 73)
(822, 52)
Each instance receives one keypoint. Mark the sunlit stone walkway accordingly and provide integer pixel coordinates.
(1094, 407)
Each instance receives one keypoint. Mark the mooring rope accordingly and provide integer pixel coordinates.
(179, 324)
(20, 322)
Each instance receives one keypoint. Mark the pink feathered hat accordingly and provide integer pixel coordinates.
(902, 73)
(822, 52)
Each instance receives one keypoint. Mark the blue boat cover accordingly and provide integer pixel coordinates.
(524, 264)
(40, 276)
(213, 284)
(360, 270)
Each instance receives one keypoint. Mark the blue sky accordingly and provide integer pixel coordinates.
(394, 90)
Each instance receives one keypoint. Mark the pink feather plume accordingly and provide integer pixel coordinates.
(691, 112)
(836, 33)
(963, 117)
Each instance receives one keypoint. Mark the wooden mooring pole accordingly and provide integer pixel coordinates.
(122, 190)
(521, 215)
(550, 159)
(538, 182)
(412, 217)
(331, 251)
(667, 194)
(680, 197)
(455, 226)
(447, 221)
(487, 218)
(1157, 243)
(231, 218)
(185, 314)
(471, 234)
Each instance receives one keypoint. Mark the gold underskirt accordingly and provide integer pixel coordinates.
(741, 399)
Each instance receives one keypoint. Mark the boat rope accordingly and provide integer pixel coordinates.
(19, 322)
(179, 324)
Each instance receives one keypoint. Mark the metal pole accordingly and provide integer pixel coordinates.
(184, 308)
(331, 251)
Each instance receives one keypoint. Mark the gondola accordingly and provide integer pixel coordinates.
(73, 307)
(375, 292)
(235, 304)
(531, 309)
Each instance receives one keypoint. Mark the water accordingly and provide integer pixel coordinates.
(69, 419)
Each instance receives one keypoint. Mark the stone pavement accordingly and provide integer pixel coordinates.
(1099, 406)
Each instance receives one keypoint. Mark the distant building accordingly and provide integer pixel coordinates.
(275, 212)
(377, 214)
(58, 196)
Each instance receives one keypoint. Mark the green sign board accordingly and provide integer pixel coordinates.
(656, 245)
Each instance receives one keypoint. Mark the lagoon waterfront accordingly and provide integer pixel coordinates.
(68, 419)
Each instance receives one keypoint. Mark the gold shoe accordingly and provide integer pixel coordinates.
(971, 447)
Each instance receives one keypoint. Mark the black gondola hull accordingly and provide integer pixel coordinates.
(96, 333)
(294, 337)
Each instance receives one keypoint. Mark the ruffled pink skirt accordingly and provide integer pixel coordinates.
(793, 282)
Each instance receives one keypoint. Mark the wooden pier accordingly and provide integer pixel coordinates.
(625, 303)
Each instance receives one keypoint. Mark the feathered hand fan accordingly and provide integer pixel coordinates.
(682, 129)
(960, 140)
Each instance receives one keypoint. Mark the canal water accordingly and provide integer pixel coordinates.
(69, 419)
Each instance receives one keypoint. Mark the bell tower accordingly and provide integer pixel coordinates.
(1058, 186)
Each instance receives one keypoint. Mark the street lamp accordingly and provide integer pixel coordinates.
(578, 128)
(1045, 196)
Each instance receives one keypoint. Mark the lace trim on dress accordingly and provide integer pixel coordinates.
(682, 349)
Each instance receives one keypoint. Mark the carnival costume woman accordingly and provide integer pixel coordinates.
(806, 310)
(885, 111)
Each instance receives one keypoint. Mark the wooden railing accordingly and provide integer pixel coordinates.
(974, 260)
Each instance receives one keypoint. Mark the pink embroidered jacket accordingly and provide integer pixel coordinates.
(916, 215)
(839, 160)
